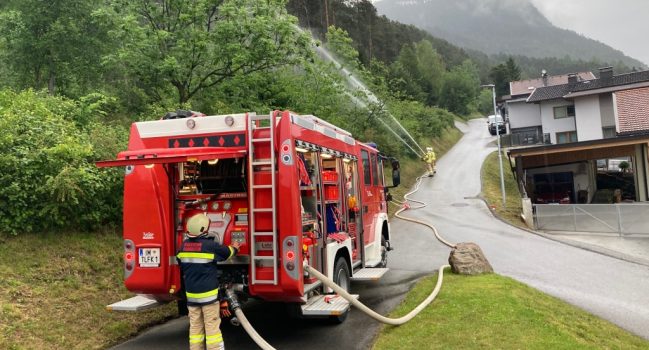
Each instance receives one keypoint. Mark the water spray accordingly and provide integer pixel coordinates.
(357, 84)
(359, 102)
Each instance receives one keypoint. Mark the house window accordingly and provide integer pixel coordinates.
(566, 137)
(564, 112)
(608, 132)
(526, 136)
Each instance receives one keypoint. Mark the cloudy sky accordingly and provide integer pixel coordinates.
(622, 24)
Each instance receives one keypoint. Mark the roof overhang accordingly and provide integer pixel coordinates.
(518, 99)
(540, 156)
(606, 90)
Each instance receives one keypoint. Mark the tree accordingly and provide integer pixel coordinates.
(339, 42)
(503, 74)
(460, 88)
(484, 103)
(193, 46)
(431, 71)
(419, 71)
(55, 44)
(624, 166)
(49, 179)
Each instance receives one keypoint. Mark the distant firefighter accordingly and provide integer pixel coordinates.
(430, 158)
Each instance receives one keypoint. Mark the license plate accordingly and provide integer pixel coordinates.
(149, 257)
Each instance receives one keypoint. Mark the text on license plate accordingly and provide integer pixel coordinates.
(149, 257)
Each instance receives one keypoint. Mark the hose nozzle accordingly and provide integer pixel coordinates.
(232, 299)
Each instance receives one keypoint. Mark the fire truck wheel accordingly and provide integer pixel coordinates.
(341, 278)
(384, 253)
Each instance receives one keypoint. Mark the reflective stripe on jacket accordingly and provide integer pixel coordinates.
(198, 257)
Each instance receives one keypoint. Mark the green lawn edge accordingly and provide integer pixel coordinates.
(497, 312)
(492, 193)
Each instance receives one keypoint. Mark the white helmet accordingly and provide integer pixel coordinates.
(429, 149)
(197, 225)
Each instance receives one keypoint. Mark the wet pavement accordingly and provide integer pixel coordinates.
(611, 288)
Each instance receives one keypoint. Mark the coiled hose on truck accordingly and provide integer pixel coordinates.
(352, 300)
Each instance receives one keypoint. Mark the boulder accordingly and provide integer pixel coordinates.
(468, 259)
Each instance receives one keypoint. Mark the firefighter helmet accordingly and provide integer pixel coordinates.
(429, 149)
(197, 225)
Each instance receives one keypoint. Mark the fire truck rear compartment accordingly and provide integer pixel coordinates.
(220, 190)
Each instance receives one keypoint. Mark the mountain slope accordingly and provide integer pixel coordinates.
(499, 26)
(375, 37)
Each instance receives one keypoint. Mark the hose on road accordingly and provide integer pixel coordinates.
(261, 342)
(391, 321)
(405, 207)
(350, 298)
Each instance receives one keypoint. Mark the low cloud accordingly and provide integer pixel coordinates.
(621, 24)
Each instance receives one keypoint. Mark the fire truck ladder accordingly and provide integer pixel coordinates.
(253, 164)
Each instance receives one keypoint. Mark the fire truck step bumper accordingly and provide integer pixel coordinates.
(136, 303)
(369, 274)
(326, 305)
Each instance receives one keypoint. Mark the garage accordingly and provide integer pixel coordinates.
(599, 171)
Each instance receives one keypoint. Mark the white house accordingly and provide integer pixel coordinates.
(525, 122)
(583, 110)
(589, 122)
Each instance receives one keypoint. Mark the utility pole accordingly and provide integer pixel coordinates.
(500, 153)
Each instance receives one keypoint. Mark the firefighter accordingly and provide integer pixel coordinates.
(430, 158)
(198, 256)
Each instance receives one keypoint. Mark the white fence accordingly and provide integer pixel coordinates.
(622, 219)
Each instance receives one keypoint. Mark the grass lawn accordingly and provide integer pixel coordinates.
(496, 312)
(492, 193)
(55, 287)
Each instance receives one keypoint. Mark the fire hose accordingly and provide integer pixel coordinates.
(405, 206)
(241, 318)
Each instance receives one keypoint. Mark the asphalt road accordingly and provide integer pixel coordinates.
(612, 289)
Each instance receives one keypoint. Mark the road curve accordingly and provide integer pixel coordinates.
(612, 289)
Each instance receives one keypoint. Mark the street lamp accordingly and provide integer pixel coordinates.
(500, 156)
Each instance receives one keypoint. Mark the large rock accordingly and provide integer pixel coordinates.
(468, 259)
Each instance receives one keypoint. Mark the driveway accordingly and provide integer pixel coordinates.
(612, 289)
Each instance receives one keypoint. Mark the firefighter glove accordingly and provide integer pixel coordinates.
(225, 309)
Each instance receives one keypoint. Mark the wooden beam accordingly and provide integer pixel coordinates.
(577, 147)
(574, 156)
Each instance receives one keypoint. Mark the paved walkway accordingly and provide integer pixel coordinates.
(633, 248)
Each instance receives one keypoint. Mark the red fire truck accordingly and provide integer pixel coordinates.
(290, 188)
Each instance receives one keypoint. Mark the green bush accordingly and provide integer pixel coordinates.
(48, 179)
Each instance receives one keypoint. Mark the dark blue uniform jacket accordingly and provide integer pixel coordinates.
(198, 257)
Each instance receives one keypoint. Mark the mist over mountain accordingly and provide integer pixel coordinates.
(512, 27)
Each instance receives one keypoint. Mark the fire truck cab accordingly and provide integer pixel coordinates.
(292, 189)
